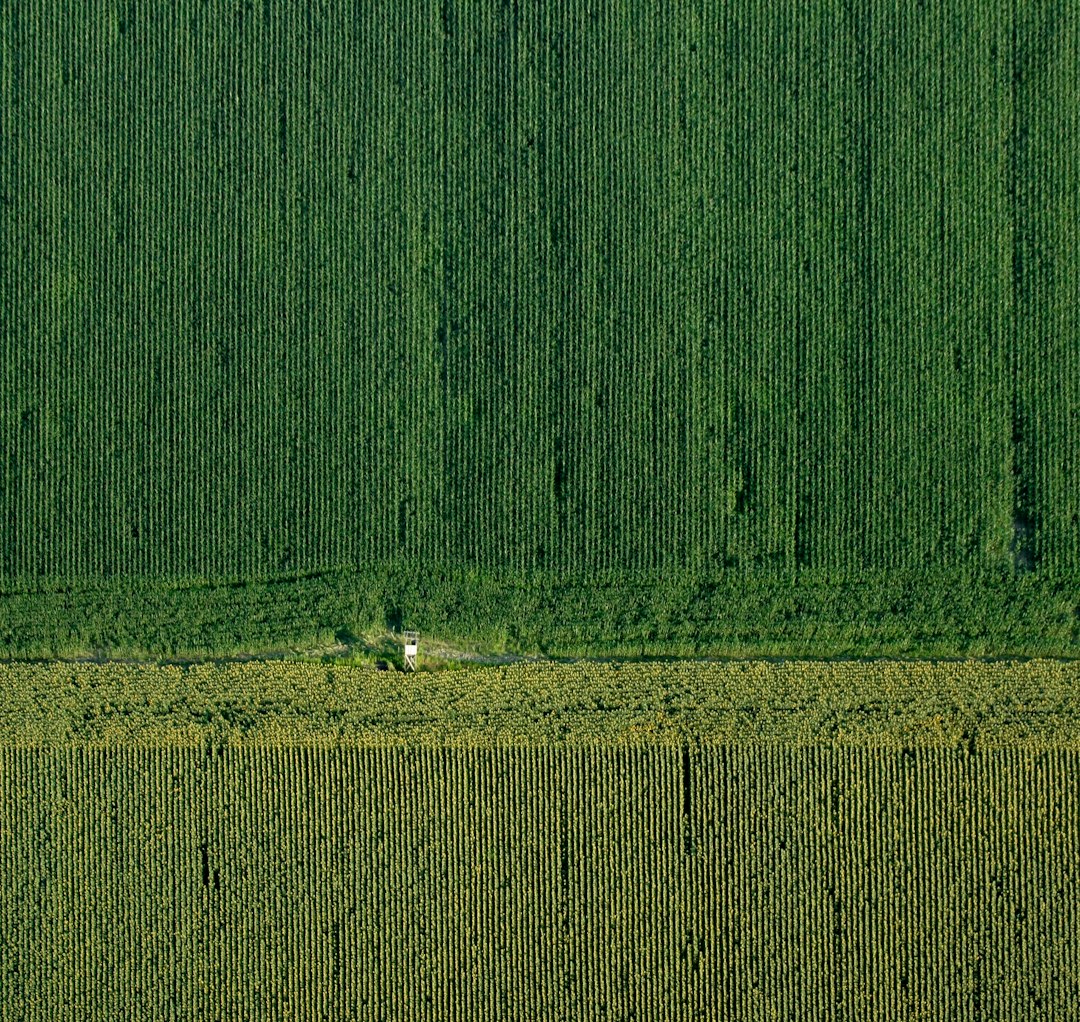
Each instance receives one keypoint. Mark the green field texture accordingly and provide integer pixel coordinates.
(948, 705)
(556, 299)
(755, 840)
(943, 613)
(744, 882)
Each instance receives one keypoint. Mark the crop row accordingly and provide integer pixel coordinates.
(537, 286)
(545, 883)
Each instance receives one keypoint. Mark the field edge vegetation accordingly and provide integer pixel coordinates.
(906, 614)
(968, 705)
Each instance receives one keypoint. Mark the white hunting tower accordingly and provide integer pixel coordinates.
(411, 641)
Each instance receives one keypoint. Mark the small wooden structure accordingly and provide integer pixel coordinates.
(411, 642)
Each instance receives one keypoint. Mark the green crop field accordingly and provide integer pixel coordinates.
(539, 884)
(732, 347)
(741, 327)
(693, 841)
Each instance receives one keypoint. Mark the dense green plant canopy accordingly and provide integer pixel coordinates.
(530, 299)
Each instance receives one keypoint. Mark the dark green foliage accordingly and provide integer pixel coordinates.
(815, 613)
(775, 303)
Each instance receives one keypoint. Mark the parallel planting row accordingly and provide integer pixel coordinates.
(585, 883)
(707, 290)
